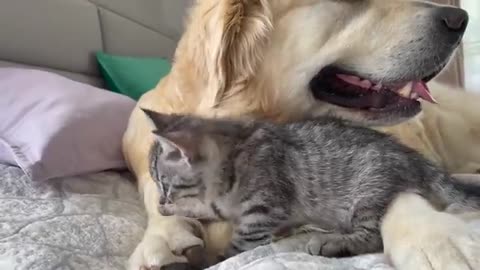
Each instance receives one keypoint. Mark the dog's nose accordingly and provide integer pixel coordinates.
(455, 19)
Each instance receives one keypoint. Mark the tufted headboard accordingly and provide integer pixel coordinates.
(63, 35)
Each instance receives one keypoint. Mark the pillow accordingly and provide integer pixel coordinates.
(132, 76)
(52, 127)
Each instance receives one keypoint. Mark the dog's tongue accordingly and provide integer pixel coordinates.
(423, 92)
(411, 90)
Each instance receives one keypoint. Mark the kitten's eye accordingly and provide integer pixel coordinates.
(163, 177)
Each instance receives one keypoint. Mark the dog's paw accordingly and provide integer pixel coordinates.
(327, 245)
(169, 243)
(440, 252)
(417, 237)
(153, 253)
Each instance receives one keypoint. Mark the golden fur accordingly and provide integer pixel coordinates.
(448, 132)
(244, 58)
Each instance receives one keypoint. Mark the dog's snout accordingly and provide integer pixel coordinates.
(454, 19)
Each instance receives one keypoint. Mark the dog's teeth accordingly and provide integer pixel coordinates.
(366, 84)
(406, 90)
(348, 78)
(414, 95)
(377, 87)
(422, 90)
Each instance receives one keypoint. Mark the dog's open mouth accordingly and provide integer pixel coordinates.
(344, 89)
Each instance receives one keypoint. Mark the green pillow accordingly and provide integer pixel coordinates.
(132, 76)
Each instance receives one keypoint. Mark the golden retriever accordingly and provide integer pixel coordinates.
(284, 60)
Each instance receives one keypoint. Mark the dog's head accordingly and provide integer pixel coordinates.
(363, 60)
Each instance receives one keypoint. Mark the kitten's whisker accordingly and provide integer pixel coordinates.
(169, 193)
(312, 228)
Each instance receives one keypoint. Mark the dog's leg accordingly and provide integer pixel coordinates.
(168, 242)
(417, 237)
(166, 239)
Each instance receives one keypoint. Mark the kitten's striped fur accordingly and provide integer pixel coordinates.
(264, 177)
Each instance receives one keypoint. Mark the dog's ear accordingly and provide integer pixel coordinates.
(246, 28)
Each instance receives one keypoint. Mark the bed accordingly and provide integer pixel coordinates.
(94, 221)
(91, 221)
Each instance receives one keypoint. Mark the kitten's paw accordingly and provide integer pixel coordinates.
(327, 245)
(167, 210)
(178, 209)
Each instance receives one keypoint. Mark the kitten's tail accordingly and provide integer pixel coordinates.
(455, 194)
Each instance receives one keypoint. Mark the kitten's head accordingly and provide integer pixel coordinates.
(176, 163)
(191, 152)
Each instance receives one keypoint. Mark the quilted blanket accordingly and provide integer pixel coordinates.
(95, 221)
(88, 222)
(289, 254)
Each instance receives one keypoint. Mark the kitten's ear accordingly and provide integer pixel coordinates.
(179, 146)
(159, 120)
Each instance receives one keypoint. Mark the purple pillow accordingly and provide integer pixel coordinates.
(51, 126)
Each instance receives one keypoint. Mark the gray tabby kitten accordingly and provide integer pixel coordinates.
(265, 177)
